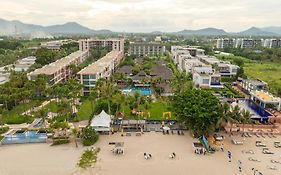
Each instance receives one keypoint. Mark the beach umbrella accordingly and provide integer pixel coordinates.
(166, 128)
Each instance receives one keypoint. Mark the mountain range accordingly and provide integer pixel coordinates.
(12, 27)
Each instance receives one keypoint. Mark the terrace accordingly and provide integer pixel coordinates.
(266, 100)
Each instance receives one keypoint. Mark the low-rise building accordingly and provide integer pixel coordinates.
(225, 43)
(59, 70)
(102, 68)
(266, 100)
(142, 49)
(205, 77)
(249, 85)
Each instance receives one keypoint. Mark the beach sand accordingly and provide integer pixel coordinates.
(41, 159)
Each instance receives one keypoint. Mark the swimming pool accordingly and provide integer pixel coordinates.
(142, 91)
(258, 113)
(26, 137)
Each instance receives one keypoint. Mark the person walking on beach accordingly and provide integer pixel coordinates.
(229, 156)
(222, 147)
(239, 163)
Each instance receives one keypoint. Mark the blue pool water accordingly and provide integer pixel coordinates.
(258, 112)
(26, 137)
(142, 91)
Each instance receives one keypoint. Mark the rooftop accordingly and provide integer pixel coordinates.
(55, 66)
(255, 82)
(265, 96)
(100, 64)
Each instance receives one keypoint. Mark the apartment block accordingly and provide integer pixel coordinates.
(102, 68)
(272, 43)
(143, 49)
(225, 42)
(111, 44)
(59, 70)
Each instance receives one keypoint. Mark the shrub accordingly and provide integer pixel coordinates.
(89, 136)
(88, 158)
(60, 142)
(19, 119)
(3, 130)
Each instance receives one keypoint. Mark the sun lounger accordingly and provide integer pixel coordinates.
(267, 151)
(138, 134)
(249, 134)
(248, 152)
(272, 167)
(257, 135)
(237, 142)
(253, 159)
(260, 144)
(244, 135)
(262, 135)
(128, 134)
(277, 144)
(274, 161)
(268, 135)
(273, 135)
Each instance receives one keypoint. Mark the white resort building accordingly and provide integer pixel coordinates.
(205, 77)
(266, 100)
(103, 68)
(59, 70)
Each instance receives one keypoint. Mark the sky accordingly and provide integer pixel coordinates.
(146, 15)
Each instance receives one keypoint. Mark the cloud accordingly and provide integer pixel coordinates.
(146, 15)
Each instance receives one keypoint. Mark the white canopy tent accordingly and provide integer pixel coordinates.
(101, 122)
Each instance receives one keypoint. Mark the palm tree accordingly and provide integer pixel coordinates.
(74, 132)
(245, 118)
(235, 115)
(226, 117)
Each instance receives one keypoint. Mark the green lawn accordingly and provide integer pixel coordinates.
(85, 111)
(155, 109)
(14, 116)
(267, 71)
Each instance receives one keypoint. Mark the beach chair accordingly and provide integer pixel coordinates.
(274, 161)
(267, 151)
(237, 142)
(260, 144)
(258, 136)
(262, 135)
(253, 159)
(249, 134)
(273, 135)
(272, 167)
(268, 135)
(277, 144)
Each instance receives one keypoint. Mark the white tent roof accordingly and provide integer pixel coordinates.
(101, 121)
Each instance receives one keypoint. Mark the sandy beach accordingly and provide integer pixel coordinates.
(35, 159)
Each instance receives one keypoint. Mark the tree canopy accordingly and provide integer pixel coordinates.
(199, 110)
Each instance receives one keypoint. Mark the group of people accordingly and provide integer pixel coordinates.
(239, 163)
(147, 156)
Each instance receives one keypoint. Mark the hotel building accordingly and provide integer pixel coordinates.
(102, 68)
(146, 49)
(59, 70)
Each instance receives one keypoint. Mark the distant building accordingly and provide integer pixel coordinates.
(266, 100)
(225, 42)
(59, 70)
(111, 44)
(20, 66)
(146, 49)
(102, 68)
(56, 44)
(272, 43)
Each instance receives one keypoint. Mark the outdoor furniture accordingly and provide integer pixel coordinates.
(253, 159)
(248, 152)
(277, 144)
(138, 134)
(275, 161)
(237, 142)
(128, 134)
(266, 151)
(260, 144)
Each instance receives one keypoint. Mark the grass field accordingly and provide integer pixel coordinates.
(155, 109)
(267, 71)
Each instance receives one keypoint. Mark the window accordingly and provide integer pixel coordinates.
(92, 76)
(85, 76)
(86, 83)
(205, 81)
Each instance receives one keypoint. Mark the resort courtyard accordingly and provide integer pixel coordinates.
(34, 159)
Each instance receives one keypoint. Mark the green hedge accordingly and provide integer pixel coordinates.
(19, 119)
(60, 142)
(89, 136)
(3, 130)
